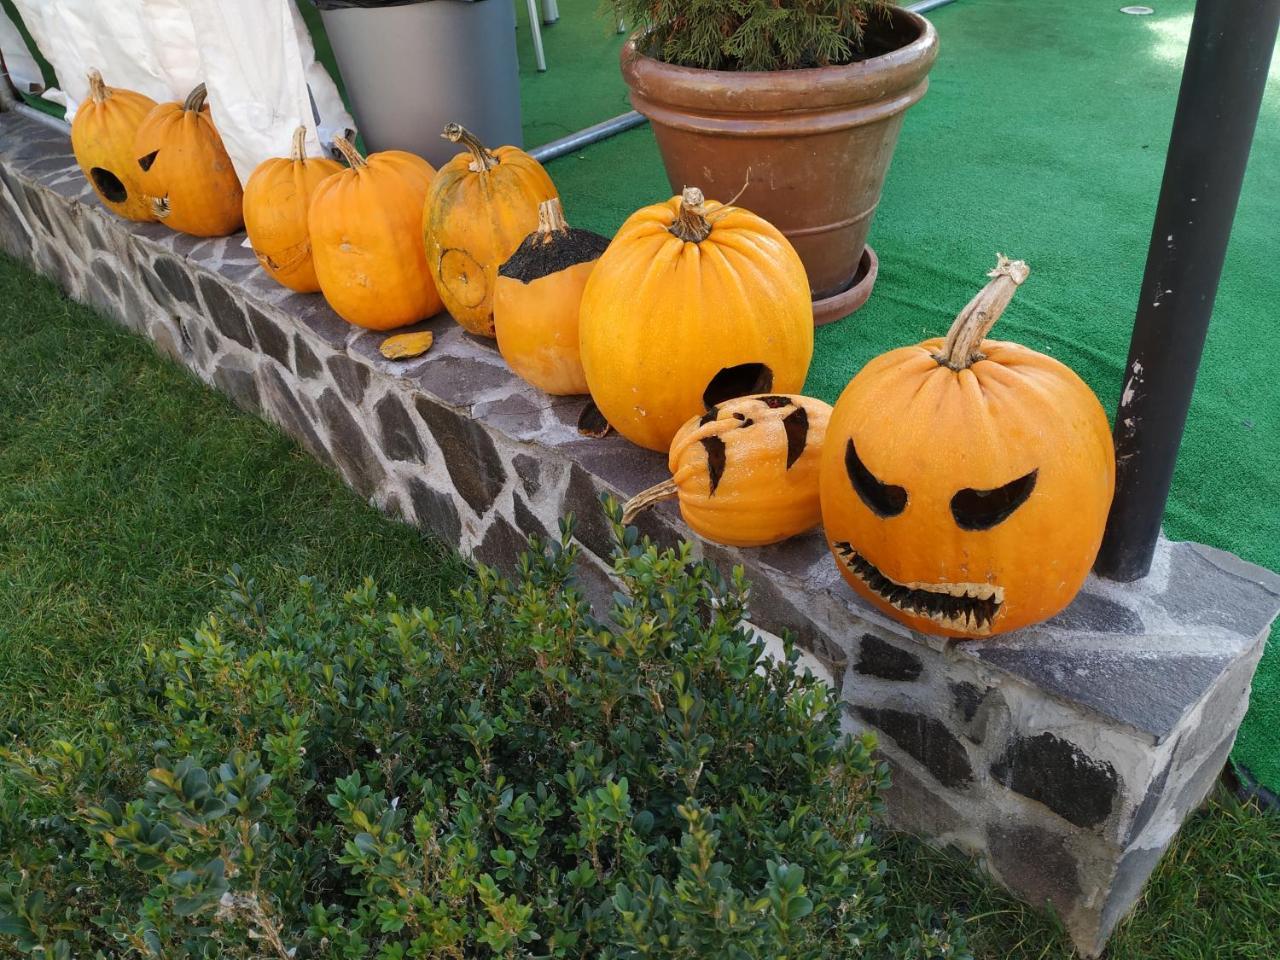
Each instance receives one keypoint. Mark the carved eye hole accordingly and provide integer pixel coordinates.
(882, 499)
(983, 509)
(146, 162)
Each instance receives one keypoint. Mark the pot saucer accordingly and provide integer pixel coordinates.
(847, 301)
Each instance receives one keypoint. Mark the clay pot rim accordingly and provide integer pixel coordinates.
(804, 89)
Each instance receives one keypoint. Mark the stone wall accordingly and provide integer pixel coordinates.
(1066, 756)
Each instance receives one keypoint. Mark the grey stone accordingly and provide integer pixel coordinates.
(876, 658)
(225, 312)
(459, 380)
(435, 511)
(1151, 802)
(348, 445)
(351, 377)
(238, 384)
(176, 283)
(1130, 877)
(592, 529)
(1146, 692)
(1092, 613)
(771, 609)
(1208, 586)
(1060, 775)
(305, 363)
(398, 435)
(528, 523)
(1036, 863)
(272, 341)
(918, 807)
(1198, 784)
(927, 739)
(469, 454)
(107, 276)
(529, 470)
(966, 698)
(501, 546)
(285, 409)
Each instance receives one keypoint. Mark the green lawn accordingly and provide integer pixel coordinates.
(127, 489)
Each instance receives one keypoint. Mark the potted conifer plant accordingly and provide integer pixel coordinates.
(796, 103)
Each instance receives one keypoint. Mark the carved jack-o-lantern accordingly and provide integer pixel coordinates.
(746, 471)
(102, 139)
(965, 483)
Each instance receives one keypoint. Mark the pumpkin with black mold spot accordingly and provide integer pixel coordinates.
(536, 301)
(482, 205)
(102, 138)
(966, 482)
(694, 303)
(277, 200)
(746, 471)
(186, 173)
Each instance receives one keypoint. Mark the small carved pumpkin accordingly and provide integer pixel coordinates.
(277, 200)
(746, 471)
(482, 205)
(692, 304)
(186, 172)
(536, 300)
(366, 239)
(966, 482)
(102, 137)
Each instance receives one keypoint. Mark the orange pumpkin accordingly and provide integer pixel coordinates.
(365, 226)
(965, 483)
(746, 471)
(692, 304)
(186, 172)
(482, 205)
(277, 200)
(536, 299)
(102, 136)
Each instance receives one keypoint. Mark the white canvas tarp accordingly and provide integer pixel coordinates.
(254, 56)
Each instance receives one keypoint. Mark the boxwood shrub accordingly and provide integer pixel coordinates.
(350, 776)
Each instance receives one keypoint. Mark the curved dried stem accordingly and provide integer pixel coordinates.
(691, 224)
(981, 313)
(666, 490)
(481, 158)
(98, 89)
(195, 99)
(350, 153)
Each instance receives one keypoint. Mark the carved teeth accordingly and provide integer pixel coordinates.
(969, 607)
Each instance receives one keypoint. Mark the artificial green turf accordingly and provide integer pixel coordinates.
(127, 488)
(1043, 136)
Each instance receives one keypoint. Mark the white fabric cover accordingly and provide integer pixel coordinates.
(254, 56)
(21, 65)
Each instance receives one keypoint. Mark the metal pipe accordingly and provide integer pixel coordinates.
(1222, 84)
(626, 121)
(48, 119)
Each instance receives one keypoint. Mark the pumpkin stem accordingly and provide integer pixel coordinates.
(691, 223)
(666, 490)
(298, 154)
(975, 321)
(551, 220)
(98, 91)
(195, 99)
(350, 153)
(481, 158)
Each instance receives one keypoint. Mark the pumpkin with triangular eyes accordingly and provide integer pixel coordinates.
(965, 483)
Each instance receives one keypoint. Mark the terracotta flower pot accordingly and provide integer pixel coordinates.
(812, 146)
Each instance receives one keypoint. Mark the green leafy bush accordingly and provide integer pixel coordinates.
(350, 777)
(749, 34)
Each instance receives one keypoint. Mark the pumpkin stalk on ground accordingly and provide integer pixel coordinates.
(277, 200)
(966, 482)
(746, 471)
(692, 304)
(481, 206)
(537, 298)
(366, 243)
(186, 173)
(102, 138)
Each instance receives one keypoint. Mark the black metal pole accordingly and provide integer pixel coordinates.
(1222, 83)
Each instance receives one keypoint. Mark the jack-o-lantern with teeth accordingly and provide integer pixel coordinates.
(965, 482)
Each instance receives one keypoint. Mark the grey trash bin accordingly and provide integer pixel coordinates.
(411, 66)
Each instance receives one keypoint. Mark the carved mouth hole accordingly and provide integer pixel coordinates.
(740, 381)
(109, 185)
(983, 509)
(967, 606)
(146, 162)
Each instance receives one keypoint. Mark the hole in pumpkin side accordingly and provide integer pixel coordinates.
(108, 185)
(146, 162)
(740, 381)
